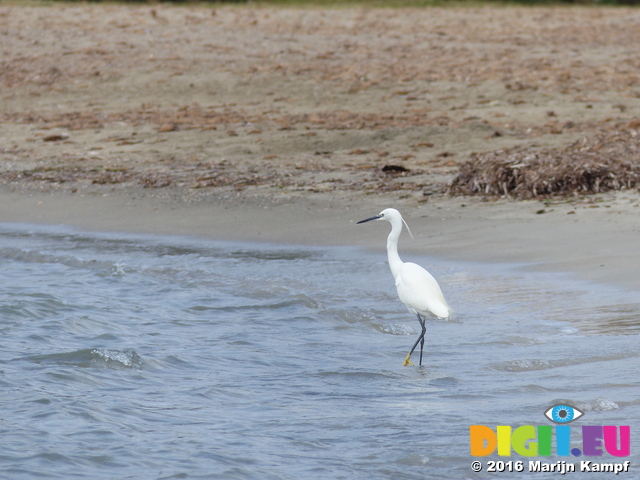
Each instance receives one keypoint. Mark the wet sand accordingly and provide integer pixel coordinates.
(281, 125)
(595, 242)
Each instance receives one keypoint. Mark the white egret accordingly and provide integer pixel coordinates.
(417, 288)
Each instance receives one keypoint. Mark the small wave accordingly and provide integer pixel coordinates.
(117, 358)
(598, 404)
(38, 257)
(357, 374)
(92, 358)
(395, 328)
(294, 301)
(414, 459)
(351, 315)
(373, 319)
(33, 305)
(118, 269)
(525, 365)
(516, 340)
(274, 255)
(531, 388)
(610, 320)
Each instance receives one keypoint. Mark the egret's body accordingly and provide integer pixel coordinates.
(417, 288)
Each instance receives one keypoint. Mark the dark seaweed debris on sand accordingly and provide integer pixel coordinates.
(606, 161)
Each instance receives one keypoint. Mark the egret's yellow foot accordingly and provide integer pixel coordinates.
(407, 361)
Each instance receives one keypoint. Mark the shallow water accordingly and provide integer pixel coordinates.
(125, 356)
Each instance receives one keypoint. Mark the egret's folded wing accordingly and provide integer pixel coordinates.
(420, 292)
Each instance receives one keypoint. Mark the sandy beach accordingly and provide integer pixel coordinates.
(289, 125)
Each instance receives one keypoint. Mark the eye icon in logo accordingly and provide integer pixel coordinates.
(563, 413)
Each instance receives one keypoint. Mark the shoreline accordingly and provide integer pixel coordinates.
(282, 125)
(595, 241)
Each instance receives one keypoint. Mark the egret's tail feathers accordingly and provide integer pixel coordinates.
(452, 317)
(442, 311)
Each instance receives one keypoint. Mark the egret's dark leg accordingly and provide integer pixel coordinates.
(407, 360)
(424, 330)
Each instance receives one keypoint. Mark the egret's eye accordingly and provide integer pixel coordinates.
(563, 413)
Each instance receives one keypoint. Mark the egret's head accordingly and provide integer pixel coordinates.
(388, 214)
(392, 216)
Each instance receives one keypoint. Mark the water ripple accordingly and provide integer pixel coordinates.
(131, 356)
(91, 358)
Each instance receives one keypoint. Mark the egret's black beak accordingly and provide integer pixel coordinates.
(369, 219)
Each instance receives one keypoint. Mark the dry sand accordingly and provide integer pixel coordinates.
(276, 125)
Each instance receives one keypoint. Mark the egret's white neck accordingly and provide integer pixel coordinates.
(392, 247)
